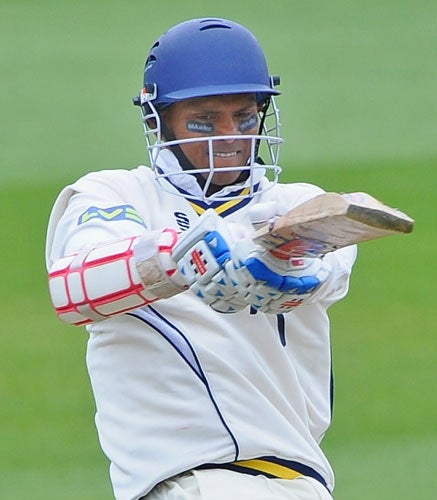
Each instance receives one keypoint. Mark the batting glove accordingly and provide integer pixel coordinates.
(281, 284)
(225, 269)
(204, 259)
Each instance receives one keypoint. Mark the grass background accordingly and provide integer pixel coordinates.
(359, 112)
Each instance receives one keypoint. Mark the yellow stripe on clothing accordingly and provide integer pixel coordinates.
(197, 209)
(223, 207)
(279, 471)
(232, 203)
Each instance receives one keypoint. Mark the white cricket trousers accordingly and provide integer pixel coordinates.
(221, 484)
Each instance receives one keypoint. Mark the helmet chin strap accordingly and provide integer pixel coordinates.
(186, 164)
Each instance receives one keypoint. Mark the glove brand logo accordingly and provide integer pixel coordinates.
(292, 303)
(198, 261)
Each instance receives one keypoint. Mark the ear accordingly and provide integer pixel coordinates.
(164, 115)
(151, 123)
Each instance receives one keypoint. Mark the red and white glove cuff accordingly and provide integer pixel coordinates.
(94, 284)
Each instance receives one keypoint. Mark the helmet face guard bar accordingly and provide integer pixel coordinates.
(267, 140)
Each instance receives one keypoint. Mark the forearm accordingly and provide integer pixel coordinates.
(114, 277)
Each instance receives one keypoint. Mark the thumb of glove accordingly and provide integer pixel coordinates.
(264, 212)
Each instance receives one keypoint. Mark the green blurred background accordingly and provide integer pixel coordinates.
(359, 112)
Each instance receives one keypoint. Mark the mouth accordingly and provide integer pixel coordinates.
(226, 156)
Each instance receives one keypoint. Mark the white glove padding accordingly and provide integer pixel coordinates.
(203, 257)
(261, 213)
(155, 264)
(281, 285)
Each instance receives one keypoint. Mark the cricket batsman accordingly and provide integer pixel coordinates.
(209, 356)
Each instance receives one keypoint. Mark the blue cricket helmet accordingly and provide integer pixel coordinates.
(203, 57)
(200, 58)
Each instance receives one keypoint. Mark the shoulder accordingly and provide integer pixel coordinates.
(294, 193)
(116, 178)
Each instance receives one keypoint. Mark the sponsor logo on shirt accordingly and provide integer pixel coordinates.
(109, 214)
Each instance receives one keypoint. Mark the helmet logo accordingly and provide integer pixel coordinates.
(148, 93)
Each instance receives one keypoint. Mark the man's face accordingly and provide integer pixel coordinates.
(235, 114)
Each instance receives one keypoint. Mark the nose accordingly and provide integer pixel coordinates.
(227, 126)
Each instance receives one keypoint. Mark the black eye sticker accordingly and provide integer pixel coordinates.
(201, 128)
(248, 124)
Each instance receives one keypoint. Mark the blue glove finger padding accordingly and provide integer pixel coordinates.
(218, 246)
(298, 285)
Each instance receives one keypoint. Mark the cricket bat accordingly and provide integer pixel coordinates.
(331, 221)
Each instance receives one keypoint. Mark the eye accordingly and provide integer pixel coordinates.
(206, 117)
(243, 115)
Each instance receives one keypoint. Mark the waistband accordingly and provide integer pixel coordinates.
(271, 467)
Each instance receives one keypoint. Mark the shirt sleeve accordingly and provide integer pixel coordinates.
(87, 213)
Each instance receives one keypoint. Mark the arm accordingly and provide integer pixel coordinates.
(115, 277)
(103, 265)
(95, 245)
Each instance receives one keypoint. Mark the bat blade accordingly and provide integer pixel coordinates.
(331, 221)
